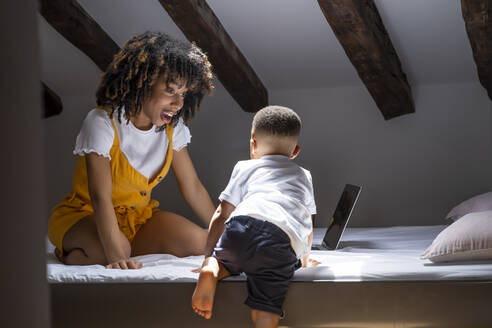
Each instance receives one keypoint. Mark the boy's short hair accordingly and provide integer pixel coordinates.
(277, 120)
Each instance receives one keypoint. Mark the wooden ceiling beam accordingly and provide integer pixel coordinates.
(51, 102)
(477, 17)
(361, 32)
(199, 24)
(78, 27)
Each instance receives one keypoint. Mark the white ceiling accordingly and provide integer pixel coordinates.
(290, 45)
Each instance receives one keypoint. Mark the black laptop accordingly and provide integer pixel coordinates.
(340, 218)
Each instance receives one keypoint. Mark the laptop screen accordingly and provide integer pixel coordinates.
(341, 216)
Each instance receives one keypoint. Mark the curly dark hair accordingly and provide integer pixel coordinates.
(128, 80)
(277, 120)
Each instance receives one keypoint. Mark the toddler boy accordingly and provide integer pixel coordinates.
(263, 221)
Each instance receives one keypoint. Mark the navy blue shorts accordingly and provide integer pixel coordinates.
(263, 252)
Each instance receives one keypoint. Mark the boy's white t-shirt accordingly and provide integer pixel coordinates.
(145, 150)
(275, 189)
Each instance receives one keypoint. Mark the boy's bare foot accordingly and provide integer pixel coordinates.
(202, 300)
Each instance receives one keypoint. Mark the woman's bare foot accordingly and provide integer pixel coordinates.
(202, 300)
(59, 255)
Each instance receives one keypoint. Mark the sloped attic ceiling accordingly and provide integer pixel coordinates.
(289, 43)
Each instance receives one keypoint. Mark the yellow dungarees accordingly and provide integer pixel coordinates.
(130, 194)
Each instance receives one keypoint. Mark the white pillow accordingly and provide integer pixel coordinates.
(478, 203)
(469, 238)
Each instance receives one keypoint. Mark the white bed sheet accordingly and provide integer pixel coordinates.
(364, 254)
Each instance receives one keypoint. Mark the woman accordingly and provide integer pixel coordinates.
(126, 146)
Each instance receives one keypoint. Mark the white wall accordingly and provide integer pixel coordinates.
(413, 169)
(75, 78)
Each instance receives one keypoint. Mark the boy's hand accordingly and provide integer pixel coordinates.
(312, 263)
(125, 264)
(309, 262)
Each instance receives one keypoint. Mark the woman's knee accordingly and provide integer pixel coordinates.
(200, 241)
(167, 232)
(82, 244)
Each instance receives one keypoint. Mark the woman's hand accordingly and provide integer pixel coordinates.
(118, 255)
(125, 264)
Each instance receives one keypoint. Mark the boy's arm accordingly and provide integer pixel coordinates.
(217, 225)
(305, 258)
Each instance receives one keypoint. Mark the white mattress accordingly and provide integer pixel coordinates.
(364, 254)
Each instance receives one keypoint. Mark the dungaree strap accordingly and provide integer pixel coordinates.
(169, 154)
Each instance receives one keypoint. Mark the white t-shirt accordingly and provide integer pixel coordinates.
(145, 150)
(275, 189)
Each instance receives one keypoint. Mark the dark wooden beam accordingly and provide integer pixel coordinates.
(78, 27)
(51, 102)
(200, 25)
(360, 30)
(489, 41)
(476, 14)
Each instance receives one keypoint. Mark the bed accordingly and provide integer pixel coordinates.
(375, 279)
